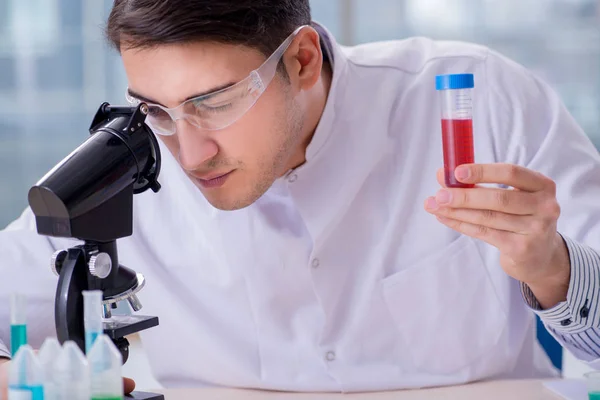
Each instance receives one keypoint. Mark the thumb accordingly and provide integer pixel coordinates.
(128, 385)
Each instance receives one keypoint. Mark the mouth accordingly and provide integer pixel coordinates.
(212, 181)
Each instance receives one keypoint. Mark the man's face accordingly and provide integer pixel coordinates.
(253, 151)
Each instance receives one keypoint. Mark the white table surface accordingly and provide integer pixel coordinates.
(495, 390)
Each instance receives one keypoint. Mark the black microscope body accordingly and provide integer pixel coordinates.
(89, 196)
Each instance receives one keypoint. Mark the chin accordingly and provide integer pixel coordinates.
(226, 200)
(233, 195)
(226, 204)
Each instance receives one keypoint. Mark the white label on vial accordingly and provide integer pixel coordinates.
(18, 394)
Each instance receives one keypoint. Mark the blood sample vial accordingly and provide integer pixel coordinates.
(456, 94)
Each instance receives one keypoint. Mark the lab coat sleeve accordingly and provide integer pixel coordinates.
(532, 127)
(25, 268)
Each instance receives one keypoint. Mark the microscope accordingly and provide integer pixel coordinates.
(89, 196)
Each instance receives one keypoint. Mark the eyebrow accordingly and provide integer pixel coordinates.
(208, 92)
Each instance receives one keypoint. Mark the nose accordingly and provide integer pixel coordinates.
(195, 146)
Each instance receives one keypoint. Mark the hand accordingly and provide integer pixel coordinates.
(4, 365)
(128, 384)
(521, 222)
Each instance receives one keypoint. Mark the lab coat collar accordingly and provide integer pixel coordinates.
(324, 129)
(338, 63)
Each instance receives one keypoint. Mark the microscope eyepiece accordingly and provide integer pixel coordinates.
(99, 178)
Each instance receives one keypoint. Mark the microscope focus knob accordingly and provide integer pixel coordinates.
(57, 259)
(100, 265)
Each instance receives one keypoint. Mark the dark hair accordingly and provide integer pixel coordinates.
(260, 24)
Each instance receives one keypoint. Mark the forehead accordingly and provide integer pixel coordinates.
(169, 74)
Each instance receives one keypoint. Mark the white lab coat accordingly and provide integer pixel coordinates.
(337, 279)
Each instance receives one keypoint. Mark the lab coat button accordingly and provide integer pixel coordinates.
(330, 356)
(293, 178)
(566, 322)
(315, 263)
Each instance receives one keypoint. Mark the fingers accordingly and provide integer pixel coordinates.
(507, 174)
(487, 218)
(495, 237)
(502, 200)
(128, 385)
(4, 365)
(440, 177)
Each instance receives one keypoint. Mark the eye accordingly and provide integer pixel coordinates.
(213, 109)
(155, 112)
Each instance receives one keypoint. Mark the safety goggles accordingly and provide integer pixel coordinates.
(219, 109)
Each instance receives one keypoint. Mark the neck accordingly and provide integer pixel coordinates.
(315, 101)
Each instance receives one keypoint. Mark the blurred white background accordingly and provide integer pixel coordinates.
(56, 69)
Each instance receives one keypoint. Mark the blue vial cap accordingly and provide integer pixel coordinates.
(454, 81)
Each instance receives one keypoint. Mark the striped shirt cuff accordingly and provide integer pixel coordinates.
(581, 310)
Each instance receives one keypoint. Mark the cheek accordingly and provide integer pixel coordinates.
(172, 144)
(267, 119)
(254, 135)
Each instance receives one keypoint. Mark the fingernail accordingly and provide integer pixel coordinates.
(462, 173)
(431, 204)
(443, 197)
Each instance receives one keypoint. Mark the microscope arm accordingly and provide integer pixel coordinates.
(68, 305)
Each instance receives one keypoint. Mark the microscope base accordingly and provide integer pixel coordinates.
(144, 396)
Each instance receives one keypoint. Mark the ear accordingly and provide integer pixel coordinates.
(304, 59)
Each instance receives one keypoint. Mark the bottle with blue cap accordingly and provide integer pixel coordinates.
(456, 95)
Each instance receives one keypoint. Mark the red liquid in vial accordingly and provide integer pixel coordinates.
(457, 137)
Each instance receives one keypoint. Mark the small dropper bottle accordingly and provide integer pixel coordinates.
(25, 377)
(71, 374)
(48, 355)
(105, 363)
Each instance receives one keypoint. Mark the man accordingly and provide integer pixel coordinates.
(301, 241)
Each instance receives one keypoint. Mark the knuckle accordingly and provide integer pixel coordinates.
(488, 216)
(464, 198)
(481, 231)
(551, 209)
(502, 198)
(445, 211)
(477, 172)
(551, 186)
(535, 199)
(454, 224)
(512, 171)
(557, 210)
